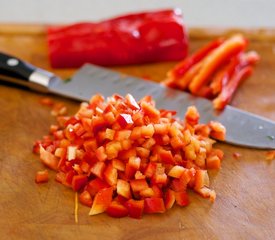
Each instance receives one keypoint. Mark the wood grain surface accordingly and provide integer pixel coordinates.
(245, 205)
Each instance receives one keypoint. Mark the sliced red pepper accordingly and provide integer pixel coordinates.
(239, 61)
(130, 39)
(181, 68)
(227, 92)
(184, 81)
(214, 60)
(223, 75)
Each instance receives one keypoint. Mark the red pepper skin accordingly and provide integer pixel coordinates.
(130, 39)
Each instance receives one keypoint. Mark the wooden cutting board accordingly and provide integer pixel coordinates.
(245, 205)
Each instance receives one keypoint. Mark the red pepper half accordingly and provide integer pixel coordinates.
(130, 39)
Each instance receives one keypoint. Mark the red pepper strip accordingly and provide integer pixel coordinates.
(181, 68)
(214, 60)
(228, 91)
(206, 92)
(223, 75)
(183, 82)
(130, 39)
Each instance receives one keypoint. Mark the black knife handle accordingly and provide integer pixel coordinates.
(14, 67)
(15, 70)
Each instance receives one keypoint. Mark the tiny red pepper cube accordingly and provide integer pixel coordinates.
(135, 208)
(154, 205)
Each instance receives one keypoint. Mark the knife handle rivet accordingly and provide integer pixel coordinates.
(12, 62)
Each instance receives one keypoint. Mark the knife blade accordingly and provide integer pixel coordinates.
(243, 128)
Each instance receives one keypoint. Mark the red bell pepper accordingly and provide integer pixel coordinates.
(130, 39)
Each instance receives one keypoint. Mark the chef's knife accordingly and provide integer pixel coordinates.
(243, 128)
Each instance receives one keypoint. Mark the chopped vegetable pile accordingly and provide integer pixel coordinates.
(215, 71)
(128, 158)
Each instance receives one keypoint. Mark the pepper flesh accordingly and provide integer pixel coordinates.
(130, 39)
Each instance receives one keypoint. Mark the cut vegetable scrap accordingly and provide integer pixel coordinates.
(237, 155)
(215, 71)
(46, 101)
(76, 208)
(42, 176)
(57, 108)
(270, 155)
(127, 158)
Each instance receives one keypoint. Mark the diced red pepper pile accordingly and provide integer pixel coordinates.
(127, 158)
(215, 71)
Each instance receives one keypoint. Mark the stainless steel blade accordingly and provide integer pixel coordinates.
(243, 128)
